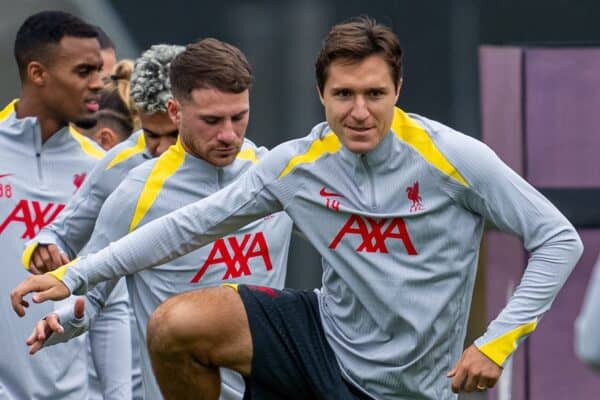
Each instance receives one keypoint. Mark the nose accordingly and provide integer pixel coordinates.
(227, 134)
(164, 143)
(360, 111)
(96, 82)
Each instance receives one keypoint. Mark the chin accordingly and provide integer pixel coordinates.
(85, 122)
(359, 148)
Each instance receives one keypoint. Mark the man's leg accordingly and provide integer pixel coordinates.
(191, 335)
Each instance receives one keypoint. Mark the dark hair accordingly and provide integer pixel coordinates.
(355, 40)
(104, 40)
(114, 112)
(41, 31)
(209, 63)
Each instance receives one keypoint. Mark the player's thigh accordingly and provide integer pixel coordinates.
(209, 323)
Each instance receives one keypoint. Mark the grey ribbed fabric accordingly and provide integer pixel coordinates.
(399, 230)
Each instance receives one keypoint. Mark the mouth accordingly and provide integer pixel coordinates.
(358, 129)
(92, 105)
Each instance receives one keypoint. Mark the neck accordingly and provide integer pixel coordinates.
(30, 106)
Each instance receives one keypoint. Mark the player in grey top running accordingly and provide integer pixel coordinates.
(396, 205)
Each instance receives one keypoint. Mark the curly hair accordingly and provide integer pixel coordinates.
(150, 85)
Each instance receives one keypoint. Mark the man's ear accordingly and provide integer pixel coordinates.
(320, 96)
(174, 111)
(36, 73)
(107, 138)
(399, 87)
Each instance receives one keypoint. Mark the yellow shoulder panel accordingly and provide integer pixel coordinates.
(503, 346)
(414, 135)
(128, 152)
(9, 109)
(85, 143)
(166, 166)
(247, 154)
(329, 144)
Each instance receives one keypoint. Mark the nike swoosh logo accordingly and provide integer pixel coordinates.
(325, 193)
(5, 175)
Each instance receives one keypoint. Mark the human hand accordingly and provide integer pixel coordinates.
(474, 371)
(46, 257)
(47, 287)
(45, 327)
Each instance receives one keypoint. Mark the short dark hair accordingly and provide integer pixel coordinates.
(114, 112)
(43, 30)
(104, 40)
(209, 63)
(355, 40)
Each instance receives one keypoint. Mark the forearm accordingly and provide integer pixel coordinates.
(548, 268)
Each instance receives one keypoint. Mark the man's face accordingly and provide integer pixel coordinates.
(359, 99)
(109, 59)
(69, 85)
(159, 131)
(212, 124)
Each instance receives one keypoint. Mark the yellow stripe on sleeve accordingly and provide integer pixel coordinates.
(165, 166)
(86, 144)
(503, 346)
(9, 109)
(329, 144)
(58, 273)
(128, 152)
(27, 253)
(413, 134)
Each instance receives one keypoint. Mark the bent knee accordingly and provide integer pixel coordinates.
(191, 320)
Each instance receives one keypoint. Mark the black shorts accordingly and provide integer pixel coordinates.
(292, 359)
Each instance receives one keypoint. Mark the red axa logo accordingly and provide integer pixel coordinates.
(374, 234)
(33, 215)
(235, 255)
(412, 192)
(78, 180)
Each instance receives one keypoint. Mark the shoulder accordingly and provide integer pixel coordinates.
(88, 147)
(128, 153)
(287, 157)
(459, 156)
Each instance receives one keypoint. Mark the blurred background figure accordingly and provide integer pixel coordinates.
(108, 51)
(587, 325)
(117, 116)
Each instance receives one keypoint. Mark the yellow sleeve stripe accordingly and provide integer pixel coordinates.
(166, 166)
(234, 286)
(86, 144)
(58, 273)
(128, 152)
(503, 346)
(414, 135)
(27, 253)
(247, 154)
(9, 109)
(328, 144)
